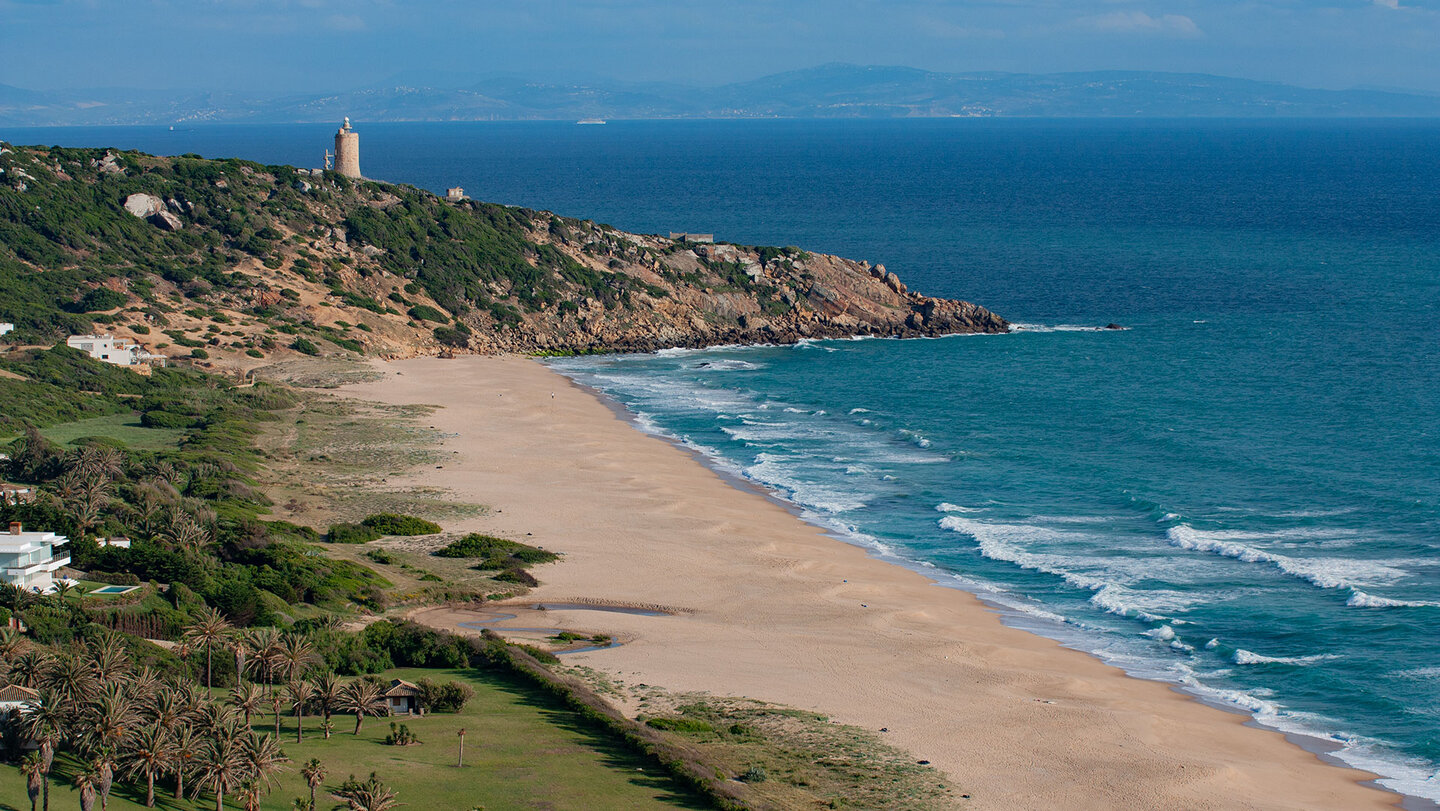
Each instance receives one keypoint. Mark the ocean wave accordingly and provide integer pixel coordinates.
(1359, 599)
(947, 507)
(1245, 657)
(1057, 328)
(997, 542)
(1007, 542)
(726, 365)
(1164, 633)
(1325, 573)
(1142, 605)
(771, 469)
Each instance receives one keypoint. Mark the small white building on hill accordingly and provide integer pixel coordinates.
(28, 560)
(6, 327)
(110, 349)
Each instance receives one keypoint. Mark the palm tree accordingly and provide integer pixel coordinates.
(313, 772)
(299, 692)
(263, 759)
(109, 718)
(87, 781)
(275, 708)
(109, 659)
(35, 778)
(248, 699)
(98, 462)
(28, 668)
(144, 682)
(371, 795)
(186, 756)
(361, 697)
(150, 754)
(45, 722)
(209, 629)
(105, 767)
(327, 698)
(11, 643)
(220, 767)
(460, 761)
(263, 644)
(250, 794)
(168, 709)
(71, 679)
(295, 656)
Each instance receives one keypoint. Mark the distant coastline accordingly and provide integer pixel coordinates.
(841, 91)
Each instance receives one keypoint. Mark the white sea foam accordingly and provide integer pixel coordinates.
(725, 365)
(859, 411)
(1142, 605)
(1245, 657)
(947, 507)
(1360, 599)
(1164, 633)
(1105, 577)
(1323, 572)
(772, 469)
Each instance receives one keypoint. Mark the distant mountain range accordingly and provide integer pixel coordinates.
(828, 91)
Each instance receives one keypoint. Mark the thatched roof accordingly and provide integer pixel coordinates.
(14, 692)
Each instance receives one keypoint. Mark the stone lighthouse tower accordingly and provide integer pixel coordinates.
(347, 151)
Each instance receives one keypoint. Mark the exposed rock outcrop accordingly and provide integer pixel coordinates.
(144, 205)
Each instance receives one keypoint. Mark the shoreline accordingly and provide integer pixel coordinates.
(779, 611)
(1317, 744)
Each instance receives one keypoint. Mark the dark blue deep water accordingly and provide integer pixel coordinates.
(1239, 493)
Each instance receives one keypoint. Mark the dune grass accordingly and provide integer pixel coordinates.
(522, 751)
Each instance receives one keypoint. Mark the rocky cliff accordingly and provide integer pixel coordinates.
(232, 262)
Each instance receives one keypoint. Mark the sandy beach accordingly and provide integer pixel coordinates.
(766, 606)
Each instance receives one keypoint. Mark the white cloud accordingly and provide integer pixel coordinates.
(1395, 4)
(1138, 22)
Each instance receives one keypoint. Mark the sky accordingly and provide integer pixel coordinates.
(308, 46)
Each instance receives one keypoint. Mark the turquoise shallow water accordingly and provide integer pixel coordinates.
(1240, 493)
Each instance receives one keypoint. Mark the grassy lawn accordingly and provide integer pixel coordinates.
(124, 427)
(522, 751)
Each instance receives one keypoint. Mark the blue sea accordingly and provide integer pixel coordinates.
(1239, 493)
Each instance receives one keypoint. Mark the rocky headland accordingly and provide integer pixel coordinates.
(231, 263)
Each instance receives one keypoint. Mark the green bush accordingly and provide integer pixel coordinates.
(424, 312)
(392, 524)
(101, 298)
(450, 696)
(305, 347)
(199, 354)
(457, 336)
(679, 725)
(518, 576)
(165, 419)
(351, 533)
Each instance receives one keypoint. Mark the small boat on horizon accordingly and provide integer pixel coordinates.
(591, 121)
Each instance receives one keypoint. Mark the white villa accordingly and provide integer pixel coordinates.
(110, 349)
(6, 327)
(29, 560)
